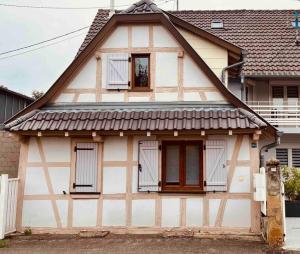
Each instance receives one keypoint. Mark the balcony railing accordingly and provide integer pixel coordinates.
(283, 114)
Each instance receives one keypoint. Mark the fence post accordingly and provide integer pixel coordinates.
(275, 232)
(3, 197)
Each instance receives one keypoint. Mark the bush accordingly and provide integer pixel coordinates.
(291, 180)
(3, 244)
(28, 231)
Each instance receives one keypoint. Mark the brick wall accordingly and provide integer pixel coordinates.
(9, 154)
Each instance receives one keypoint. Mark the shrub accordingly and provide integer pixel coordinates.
(28, 231)
(291, 180)
(3, 243)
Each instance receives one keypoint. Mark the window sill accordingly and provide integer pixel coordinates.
(182, 192)
(140, 90)
(85, 195)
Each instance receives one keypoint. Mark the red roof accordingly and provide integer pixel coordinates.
(266, 36)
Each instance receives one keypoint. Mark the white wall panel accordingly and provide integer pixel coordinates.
(244, 153)
(134, 187)
(35, 182)
(57, 149)
(166, 96)
(85, 213)
(140, 36)
(60, 178)
(87, 97)
(113, 97)
(193, 96)
(170, 216)
(193, 76)
(143, 213)
(241, 180)
(163, 38)
(194, 212)
(115, 149)
(237, 213)
(86, 77)
(114, 180)
(214, 96)
(214, 205)
(38, 213)
(138, 99)
(62, 206)
(166, 72)
(65, 97)
(114, 213)
(33, 151)
(118, 38)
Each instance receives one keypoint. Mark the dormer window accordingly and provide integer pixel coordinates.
(217, 24)
(141, 71)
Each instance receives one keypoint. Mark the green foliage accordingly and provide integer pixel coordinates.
(291, 180)
(3, 243)
(28, 231)
(36, 94)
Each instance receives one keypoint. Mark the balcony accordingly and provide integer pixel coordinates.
(284, 115)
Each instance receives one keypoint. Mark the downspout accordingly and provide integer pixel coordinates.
(267, 147)
(229, 67)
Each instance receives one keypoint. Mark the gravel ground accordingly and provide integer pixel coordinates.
(132, 244)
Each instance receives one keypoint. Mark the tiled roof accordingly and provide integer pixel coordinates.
(143, 6)
(137, 120)
(267, 36)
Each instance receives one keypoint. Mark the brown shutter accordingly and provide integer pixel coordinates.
(282, 156)
(292, 91)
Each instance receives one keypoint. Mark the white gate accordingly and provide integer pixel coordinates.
(8, 205)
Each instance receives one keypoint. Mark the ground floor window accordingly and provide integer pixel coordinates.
(182, 166)
(288, 157)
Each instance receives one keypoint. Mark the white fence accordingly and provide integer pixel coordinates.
(8, 205)
(283, 114)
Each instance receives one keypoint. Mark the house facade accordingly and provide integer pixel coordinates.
(139, 134)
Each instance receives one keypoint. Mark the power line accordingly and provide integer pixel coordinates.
(70, 8)
(45, 46)
(41, 42)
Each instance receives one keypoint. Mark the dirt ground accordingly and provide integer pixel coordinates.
(133, 244)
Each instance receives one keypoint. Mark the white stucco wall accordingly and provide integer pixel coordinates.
(170, 65)
(118, 183)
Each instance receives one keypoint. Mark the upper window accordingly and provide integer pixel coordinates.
(182, 166)
(141, 71)
(217, 24)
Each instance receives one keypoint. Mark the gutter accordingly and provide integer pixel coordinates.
(267, 147)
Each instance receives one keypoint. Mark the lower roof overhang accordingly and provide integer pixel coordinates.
(156, 118)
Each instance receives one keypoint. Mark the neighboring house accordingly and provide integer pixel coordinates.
(139, 134)
(10, 104)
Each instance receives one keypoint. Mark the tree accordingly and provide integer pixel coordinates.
(36, 94)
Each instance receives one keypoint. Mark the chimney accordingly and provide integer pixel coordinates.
(112, 8)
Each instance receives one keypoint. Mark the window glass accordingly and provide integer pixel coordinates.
(172, 161)
(141, 71)
(192, 165)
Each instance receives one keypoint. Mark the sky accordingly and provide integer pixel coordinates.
(38, 69)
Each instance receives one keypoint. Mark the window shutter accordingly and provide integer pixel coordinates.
(292, 91)
(117, 71)
(216, 172)
(296, 158)
(277, 92)
(282, 156)
(148, 166)
(86, 167)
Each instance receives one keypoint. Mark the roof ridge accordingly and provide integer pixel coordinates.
(142, 6)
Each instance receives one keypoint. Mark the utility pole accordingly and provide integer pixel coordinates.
(177, 5)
